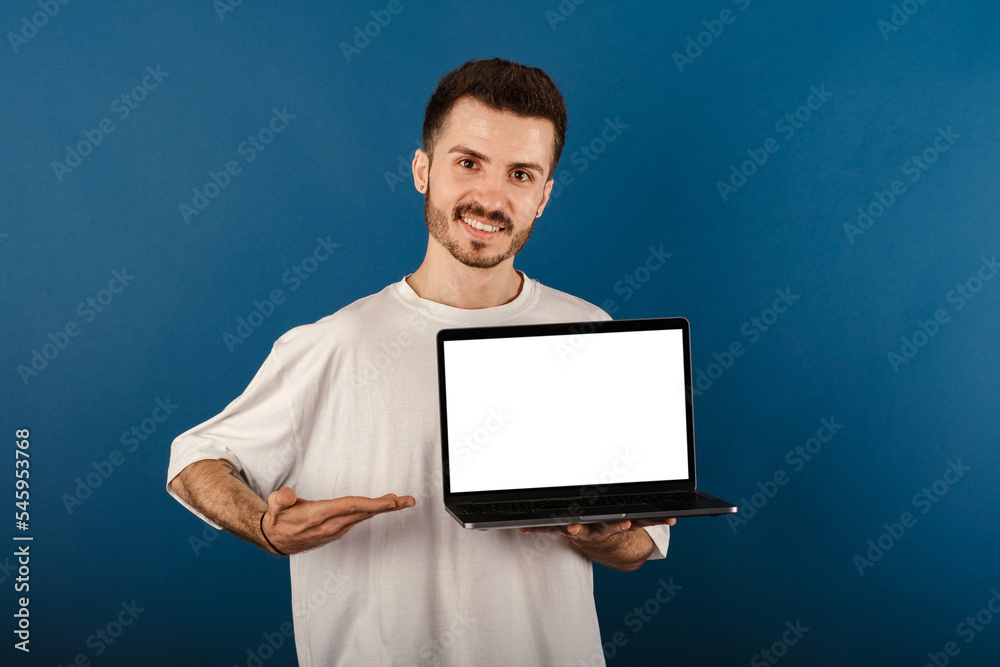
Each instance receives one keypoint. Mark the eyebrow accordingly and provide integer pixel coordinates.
(465, 150)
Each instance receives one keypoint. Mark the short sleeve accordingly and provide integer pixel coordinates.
(255, 433)
(661, 539)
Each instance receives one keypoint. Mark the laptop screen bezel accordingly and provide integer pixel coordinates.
(582, 328)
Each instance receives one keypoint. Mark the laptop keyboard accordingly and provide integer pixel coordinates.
(524, 506)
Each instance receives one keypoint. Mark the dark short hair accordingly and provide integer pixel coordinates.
(502, 85)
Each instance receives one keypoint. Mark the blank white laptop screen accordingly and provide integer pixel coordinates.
(574, 410)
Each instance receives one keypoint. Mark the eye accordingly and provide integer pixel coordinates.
(468, 163)
(522, 175)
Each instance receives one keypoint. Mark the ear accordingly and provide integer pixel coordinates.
(421, 170)
(545, 197)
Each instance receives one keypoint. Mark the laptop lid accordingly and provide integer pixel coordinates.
(566, 410)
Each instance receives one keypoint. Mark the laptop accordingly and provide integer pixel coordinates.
(580, 422)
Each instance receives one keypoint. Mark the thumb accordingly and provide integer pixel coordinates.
(281, 499)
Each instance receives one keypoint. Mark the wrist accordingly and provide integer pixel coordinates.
(275, 549)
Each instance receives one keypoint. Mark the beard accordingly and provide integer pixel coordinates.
(476, 255)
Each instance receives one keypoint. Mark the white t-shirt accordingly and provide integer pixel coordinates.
(348, 406)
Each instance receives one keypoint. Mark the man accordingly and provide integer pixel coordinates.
(344, 413)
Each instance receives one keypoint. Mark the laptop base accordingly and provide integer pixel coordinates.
(576, 511)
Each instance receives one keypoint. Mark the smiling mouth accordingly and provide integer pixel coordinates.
(475, 224)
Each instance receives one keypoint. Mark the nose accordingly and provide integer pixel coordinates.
(490, 192)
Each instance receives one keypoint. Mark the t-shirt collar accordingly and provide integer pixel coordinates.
(467, 316)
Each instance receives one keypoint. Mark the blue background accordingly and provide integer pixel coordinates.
(208, 599)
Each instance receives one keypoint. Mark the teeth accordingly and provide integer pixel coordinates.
(480, 226)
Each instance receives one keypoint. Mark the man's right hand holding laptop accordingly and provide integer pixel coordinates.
(619, 545)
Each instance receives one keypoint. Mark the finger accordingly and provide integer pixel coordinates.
(361, 504)
(573, 530)
(341, 523)
(601, 531)
(348, 505)
(402, 501)
(281, 499)
(642, 523)
(609, 526)
(352, 509)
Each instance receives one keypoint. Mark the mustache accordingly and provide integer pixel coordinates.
(473, 208)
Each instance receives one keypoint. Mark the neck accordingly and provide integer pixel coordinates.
(443, 279)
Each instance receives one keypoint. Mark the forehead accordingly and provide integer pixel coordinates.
(503, 136)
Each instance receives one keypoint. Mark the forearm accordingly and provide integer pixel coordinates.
(624, 551)
(216, 489)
